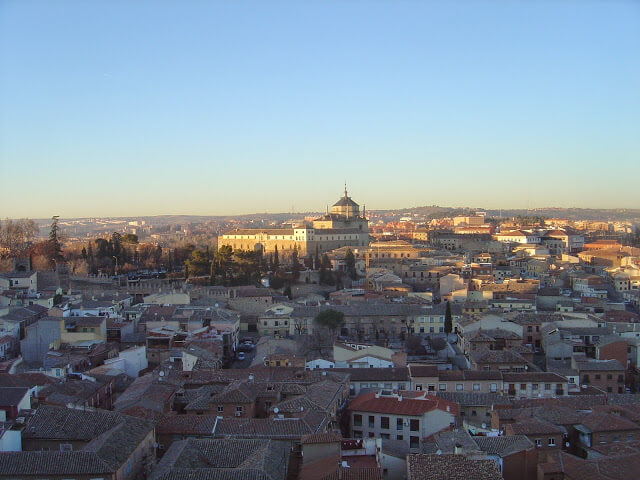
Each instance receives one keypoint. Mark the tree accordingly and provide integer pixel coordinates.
(198, 264)
(16, 237)
(55, 248)
(83, 253)
(57, 299)
(157, 257)
(437, 343)
(287, 292)
(350, 263)
(276, 260)
(448, 320)
(414, 344)
(295, 265)
(326, 277)
(330, 318)
(130, 238)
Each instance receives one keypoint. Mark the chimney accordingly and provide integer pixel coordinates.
(457, 449)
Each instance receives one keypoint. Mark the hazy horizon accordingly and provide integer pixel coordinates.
(532, 210)
(119, 109)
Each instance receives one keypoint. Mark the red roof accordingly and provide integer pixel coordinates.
(397, 405)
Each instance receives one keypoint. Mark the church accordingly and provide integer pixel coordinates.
(343, 226)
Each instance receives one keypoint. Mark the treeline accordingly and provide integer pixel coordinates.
(18, 240)
(17, 237)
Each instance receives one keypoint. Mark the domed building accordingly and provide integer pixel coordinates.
(343, 226)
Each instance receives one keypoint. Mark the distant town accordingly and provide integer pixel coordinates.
(425, 343)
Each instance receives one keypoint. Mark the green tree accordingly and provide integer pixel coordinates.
(83, 253)
(55, 247)
(295, 264)
(448, 320)
(130, 238)
(350, 263)
(198, 264)
(157, 257)
(330, 318)
(326, 276)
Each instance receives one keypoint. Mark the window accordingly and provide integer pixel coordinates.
(552, 442)
(597, 376)
(414, 425)
(431, 387)
(399, 424)
(609, 376)
(493, 387)
(399, 437)
(534, 386)
(385, 436)
(523, 386)
(473, 413)
(384, 423)
(238, 411)
(616, 438)
(459, 387)
(476, 387)
(442, 387)
(357, 434)
(357, 420)
(419, 386)
(538, 442)
(220, 408)
(547, 386)
(372, 421)
(414, 442)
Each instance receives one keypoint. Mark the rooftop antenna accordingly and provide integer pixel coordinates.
(345, 189)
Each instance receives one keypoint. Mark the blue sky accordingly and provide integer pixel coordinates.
(143, 108)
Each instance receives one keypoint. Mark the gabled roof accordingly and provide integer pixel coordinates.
(451, 467)
(110, 439)
(533, 427)
(398, 405)
(503, 446)
(607, 422)
(216, 459)
(12, 396)
(275, 428)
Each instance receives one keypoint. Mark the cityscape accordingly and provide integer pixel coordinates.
(319, 240)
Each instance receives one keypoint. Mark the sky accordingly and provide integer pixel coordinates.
(119, 108)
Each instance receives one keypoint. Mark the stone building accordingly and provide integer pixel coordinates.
(343, 226)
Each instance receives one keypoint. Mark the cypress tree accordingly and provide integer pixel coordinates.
(448, 320)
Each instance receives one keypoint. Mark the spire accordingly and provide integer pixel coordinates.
(345, 189)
